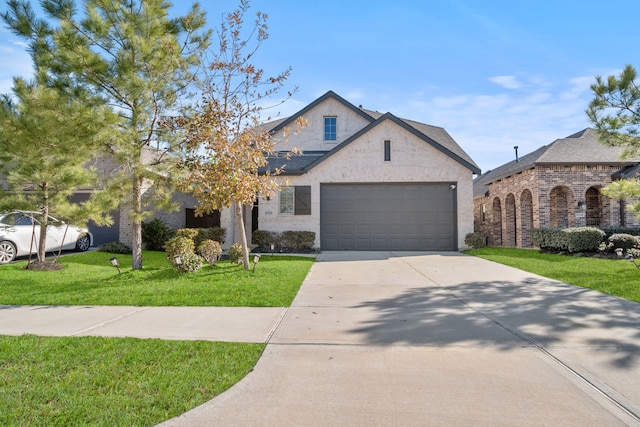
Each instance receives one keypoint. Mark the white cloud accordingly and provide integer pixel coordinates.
(488, 126)
(508, 82)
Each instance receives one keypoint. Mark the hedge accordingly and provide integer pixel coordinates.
(575, 239)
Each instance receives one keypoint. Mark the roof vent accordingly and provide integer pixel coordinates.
(516, 148)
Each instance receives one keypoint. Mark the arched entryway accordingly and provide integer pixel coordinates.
(496, 223)
(593, 200)
(511, 237)
(526, 217)
(561, 214)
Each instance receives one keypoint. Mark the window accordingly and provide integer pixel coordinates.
(296, 200)
(206, 220)
(387, 151)
(330, 126)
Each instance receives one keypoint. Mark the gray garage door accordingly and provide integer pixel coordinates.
(399, 217)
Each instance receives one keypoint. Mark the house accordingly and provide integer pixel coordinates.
(368, 181)
(557, 185)
(365, 181)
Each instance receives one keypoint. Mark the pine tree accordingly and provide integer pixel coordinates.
(46, 143)
(131, 56)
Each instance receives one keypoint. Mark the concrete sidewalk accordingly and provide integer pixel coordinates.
(232, 324)
(438, 339)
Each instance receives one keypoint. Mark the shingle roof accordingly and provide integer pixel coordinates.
(581, 148)
(436, 136)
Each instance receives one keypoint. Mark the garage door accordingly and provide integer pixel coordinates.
(399, 217)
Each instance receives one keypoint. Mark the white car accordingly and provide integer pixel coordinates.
(18, 236)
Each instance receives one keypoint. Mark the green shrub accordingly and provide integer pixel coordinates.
(190, 263)
(549, 239)
(611, 230)
(298, 239)
(583, 239)
(115, 248)
(217, 234)
(210, 251)
(575, 239)
(178, 245)
(189, 233)
(235, 253)
(155, 234)
(623, 241)
(306, 239)
(475, 240)
(262, 238)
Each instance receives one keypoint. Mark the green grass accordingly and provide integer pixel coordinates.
(90, 279)
(126, 381)
(113, 381)
(611, 276)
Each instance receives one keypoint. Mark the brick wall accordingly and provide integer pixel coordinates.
(547, 196)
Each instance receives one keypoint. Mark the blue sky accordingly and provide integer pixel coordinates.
(493, 73)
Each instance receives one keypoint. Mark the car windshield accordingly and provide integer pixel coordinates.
(20, 218)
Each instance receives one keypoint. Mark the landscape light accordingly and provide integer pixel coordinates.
(256, 258)
(114, 262)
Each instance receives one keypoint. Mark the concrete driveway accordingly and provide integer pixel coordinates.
(415, 339)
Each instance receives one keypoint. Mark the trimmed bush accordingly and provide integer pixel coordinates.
(155, 234)
(261, 238)
(189, 233)
(210, 251)
(623, 241)
(235, 253)
(576, 239)
(549, 239)
(305, 239)
(583, 239)
(475, 240)
(115, 248)
(178, 245)
(217, 234)
(190, 263)
(610, 231)
(298, 239)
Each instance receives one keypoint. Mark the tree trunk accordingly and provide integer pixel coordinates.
(242, 235)
(42, 241)
(136, 221)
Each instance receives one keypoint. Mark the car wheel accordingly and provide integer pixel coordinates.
(83, 243)
(7, 252)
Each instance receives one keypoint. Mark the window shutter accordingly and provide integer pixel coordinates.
(303, 200)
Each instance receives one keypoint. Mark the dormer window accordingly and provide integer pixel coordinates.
(330, 128)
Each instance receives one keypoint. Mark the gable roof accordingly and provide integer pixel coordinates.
(432, 135)
(581, 148)
(329, 95)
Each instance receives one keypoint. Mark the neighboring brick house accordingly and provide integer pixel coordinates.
(558, 185)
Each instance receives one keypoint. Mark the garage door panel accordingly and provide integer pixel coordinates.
(415, 216)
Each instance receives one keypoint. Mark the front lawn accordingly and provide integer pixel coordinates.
(113, 381)
(90, 279)
(127, 381)
(611, 276)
